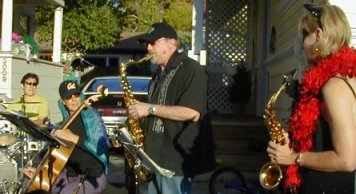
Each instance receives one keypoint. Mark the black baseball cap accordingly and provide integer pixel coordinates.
(68, 88)
(157, 31)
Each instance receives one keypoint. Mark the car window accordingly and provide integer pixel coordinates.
(111, 84)
(114, 85)
(139, 85)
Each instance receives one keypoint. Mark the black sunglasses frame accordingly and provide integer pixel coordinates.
(31, 83)
(315, 11)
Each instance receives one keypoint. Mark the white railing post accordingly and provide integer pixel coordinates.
(6, 31)
(57, 36)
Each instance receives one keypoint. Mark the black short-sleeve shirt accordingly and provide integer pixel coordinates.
(188, 87)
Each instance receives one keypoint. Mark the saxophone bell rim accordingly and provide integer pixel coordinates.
(263, 175)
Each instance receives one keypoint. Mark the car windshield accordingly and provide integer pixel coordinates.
(114, 85)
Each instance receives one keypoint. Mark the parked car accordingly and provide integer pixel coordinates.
(112, 107)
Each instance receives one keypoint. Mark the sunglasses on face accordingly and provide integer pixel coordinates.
(70, 97)
(31, 83)
(158, 40)
(315, 11)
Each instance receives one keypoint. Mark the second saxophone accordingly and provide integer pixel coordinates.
(271, 173)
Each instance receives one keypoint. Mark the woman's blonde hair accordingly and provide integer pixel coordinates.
(335, 26)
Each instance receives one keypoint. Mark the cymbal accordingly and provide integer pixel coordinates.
(21, 102)
(31, 114)
(23, 114)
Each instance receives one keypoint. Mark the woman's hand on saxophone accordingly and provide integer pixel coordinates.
(281, 154)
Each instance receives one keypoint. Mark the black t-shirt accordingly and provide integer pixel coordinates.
(81, 159)
(172, 149)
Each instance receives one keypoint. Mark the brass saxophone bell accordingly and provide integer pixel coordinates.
(270, 175)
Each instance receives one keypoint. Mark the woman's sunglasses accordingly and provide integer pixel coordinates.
(315, 11)
(31, 83)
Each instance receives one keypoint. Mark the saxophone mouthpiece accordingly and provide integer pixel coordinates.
(293, 73)
(287, 78)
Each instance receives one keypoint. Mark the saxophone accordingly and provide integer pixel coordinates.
(133, 124)
(271, 173)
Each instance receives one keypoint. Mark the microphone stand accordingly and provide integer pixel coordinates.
(23, 106)
(25, 135)
(81, 181)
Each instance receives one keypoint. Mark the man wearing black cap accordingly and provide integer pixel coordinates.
(177, 105)
(87, 165)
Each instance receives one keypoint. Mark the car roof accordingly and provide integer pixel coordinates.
(139, 84)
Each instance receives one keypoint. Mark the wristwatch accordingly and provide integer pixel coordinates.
(299, 159)
(152, 109)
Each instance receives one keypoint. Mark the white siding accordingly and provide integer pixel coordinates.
(50, 75)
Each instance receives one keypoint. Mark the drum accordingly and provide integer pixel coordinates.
(34, 145)
(8, 175)
(7, 133)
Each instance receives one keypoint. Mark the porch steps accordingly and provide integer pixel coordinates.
(240, 142)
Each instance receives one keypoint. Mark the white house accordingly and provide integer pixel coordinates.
(18, 16)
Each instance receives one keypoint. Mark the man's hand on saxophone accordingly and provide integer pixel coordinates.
(139, 109)
(176, 113)
(282, 154)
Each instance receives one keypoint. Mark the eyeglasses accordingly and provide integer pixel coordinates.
(153, 43)
(315, 11)
(31, 83)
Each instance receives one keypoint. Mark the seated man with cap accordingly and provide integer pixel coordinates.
(87, 166)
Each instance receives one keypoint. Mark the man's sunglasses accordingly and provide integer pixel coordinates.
(70, 97)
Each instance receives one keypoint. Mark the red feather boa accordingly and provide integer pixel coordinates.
(302, 124)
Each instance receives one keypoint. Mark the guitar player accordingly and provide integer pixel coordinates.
(87, 166)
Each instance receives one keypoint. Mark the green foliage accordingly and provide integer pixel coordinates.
(87, 25)
(95, 24)
(35, 48)
(183, 11)
(141, 14)
(184, 38)
(183, 25)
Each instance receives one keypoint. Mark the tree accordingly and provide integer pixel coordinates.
(183, 11)
(141, 14)
(96, 24)
(87, 25)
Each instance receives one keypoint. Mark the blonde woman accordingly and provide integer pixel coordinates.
(321, 151)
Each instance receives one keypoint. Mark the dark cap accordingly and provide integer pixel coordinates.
(157, 31)
(68, 88)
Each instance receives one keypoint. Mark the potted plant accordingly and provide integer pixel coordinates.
(240, 90)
